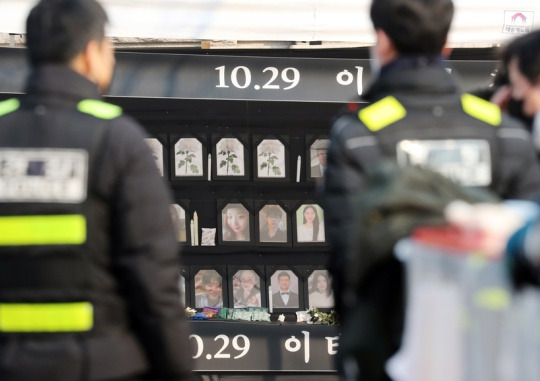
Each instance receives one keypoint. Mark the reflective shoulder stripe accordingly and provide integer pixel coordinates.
(9, 105)
(42, 230)
(382, 113)
(481, 109)
(46, 317)
(99, 109)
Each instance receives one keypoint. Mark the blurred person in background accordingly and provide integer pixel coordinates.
(89, 263)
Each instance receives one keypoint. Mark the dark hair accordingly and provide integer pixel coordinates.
(273, 211)
(316, 275)
(526, 49)
(284, 273)
(58, 30)
(316, 221)
(211, 275)
(414, 26)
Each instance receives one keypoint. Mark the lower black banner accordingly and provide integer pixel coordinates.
(263, 347)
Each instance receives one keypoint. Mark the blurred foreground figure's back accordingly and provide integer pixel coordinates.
(417, 115)
(88, 257)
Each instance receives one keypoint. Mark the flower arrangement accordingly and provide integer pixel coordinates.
(190, 312)
(319, 317)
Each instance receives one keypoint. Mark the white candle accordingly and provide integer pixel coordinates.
(298, 165)
(192, 233)
(196, 228)
(270, 307)
(209, 166)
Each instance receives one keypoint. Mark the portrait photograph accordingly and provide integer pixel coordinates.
(230, 158)
(273, 224)
(157, 152)
(178, 216)
(310, 224)
(285, 294)
(271, 159)
(320, 293)
(246, 285)
(189, 160)
(235, 223)
(317, 158)
(208, 289)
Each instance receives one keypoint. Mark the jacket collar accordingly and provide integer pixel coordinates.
(61, 81)
(422, 74)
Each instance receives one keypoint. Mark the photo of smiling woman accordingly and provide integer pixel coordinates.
(235, 223)
(249, 292)
(320, 290)
(309, 224)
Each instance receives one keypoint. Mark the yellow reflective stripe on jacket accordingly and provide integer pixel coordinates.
(99, 109)
(9, 105)
(46, 317)
(382, 113)
(481, 109)
(42, 230)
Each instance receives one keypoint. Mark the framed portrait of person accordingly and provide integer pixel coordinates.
(209, 287)
(285, 291)
(235, 222)
(180, 220)
(273, 226)
(247, 286)
(318, 290)
(309, 224)
(158, 153)
(271, 158)
(189, 157)
(317, 152)
(230, 158)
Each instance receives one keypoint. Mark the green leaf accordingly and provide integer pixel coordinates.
(234, 156)
(276, 170)
(235, 168)
(263, 165)
(194, 168)
(181, 163)
(222, 163)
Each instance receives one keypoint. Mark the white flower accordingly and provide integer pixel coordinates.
(271, 146)
(188, 144)
(281, 318)
(229, 144)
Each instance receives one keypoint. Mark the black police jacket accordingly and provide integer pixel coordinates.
(416, 115)
(88, 257)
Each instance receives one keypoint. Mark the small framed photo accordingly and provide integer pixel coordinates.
(158, 153)
(247, 287)
(189, 158)
(178, 216)
(309, 224)
(235, 223)
(320, 293)
(317, 154)
(230, 158)
(208, 288)
(271, 158)
(273, 225)
(284, 289)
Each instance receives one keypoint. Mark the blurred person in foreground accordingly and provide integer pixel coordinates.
(88, 257)
(417, 115)
(523, 250)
